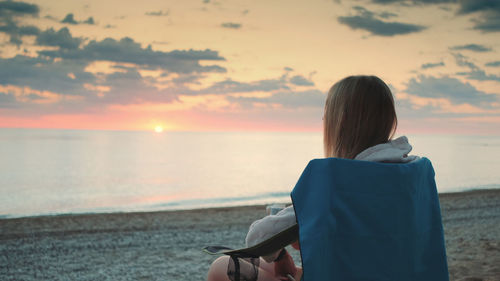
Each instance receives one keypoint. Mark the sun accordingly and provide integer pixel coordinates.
(159, 129)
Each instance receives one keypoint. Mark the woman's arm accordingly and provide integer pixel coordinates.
(269, 226)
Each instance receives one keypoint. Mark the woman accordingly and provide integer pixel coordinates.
(359, 122)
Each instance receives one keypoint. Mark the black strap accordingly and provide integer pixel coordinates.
(236, 267)
(243, 269)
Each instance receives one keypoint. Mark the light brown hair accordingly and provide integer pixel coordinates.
(359, 113)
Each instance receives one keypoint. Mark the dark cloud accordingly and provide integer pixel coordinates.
(475, 72)
(10, 12)
(462, 60)
(493, 63)
(413, 2)
(231, 25)
(366, 20)
(449, 88)
(479, 75)
(61, 38)
(70, 18)
(127, 50)
(45, 74)
(18, 8)
(301, 81)
(489, 13)
(158, 13)
(471, 47)
(64, 71)
(386, 15)
(489, 23)
(16, 32)
(432, 65)
(90, 20)
(471, 6)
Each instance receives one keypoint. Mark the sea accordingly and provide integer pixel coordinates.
(53, 172)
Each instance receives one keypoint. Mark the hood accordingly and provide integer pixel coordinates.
(394, 151)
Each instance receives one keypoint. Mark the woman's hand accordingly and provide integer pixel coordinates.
(284, 266)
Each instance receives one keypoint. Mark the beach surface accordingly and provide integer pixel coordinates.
(167, 245)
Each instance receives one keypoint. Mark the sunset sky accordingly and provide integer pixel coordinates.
(234, 65)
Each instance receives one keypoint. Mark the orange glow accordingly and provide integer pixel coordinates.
(25, 94)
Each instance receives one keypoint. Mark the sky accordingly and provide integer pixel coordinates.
(215, 65)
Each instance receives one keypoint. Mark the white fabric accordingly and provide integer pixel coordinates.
(394, 151)
(260, 230)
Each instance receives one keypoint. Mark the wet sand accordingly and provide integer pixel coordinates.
(167, 245)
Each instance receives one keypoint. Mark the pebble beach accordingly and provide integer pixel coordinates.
(167, 245)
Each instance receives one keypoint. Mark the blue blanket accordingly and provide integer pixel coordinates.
(361, 220)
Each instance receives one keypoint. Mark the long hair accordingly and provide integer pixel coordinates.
(359, 113)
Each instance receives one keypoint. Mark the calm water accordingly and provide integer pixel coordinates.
(66, 171)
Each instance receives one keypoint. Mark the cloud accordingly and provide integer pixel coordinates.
(474, 73)
(159, 13)
(471, 6)
(90, 21)
(10, 12)
(366, 20)
(63, 74)
(432, 65)
(289, 99)
(231, 25)
(69, 79)
(493, 63)
(61, 38)
(301, 81)
(462, 60)
(489, 13)
(7, 100)
(18, 8)
(479, 75)
(16, 32)
(44, 74)
(413, 2)
(456, 91)
(489, 23)
(230, 86)
(127, 50)
(471, 47)
(386, 15)
(130, 87)
(69, 18)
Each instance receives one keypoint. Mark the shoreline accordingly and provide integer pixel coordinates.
(98, 213)
(166, 245)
